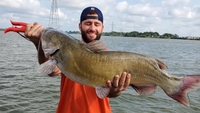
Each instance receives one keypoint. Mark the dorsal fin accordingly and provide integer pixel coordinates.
(161, 65)
(96, 46)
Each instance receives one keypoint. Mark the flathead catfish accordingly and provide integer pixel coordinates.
(88, 65)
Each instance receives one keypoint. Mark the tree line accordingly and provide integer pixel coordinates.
(141, 34)
(135, 34)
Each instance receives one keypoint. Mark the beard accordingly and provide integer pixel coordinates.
(86, 38)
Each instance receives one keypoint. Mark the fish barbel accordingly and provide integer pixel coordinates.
(88, 65)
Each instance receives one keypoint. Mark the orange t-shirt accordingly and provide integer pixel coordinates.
(77, 98)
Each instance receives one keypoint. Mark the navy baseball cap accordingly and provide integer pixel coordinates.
(87, 10)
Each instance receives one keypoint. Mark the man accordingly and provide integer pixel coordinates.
(74, 97)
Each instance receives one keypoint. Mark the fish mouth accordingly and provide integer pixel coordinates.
(54, 52)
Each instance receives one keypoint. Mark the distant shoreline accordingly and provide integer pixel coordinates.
(181, 38)
(1, 29)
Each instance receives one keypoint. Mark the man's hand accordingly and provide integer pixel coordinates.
(119, 84)
(33, 32)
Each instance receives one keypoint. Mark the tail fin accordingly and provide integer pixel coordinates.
(190, 83)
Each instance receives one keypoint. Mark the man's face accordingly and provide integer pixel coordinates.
(91, 29)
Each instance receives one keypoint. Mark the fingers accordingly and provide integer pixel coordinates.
(35, 23)
(119, 84)
(33, 32)
(28, 27)
(127, 80)
(122, 79)
(109, 84)
(115, 83)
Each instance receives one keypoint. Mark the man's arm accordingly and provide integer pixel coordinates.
(33, 32)
(119, 84)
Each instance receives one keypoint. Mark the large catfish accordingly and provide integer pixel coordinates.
(88, 65)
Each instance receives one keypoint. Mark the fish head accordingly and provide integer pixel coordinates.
(50, 41)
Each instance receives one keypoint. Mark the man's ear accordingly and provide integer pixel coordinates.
(79, 26)
(102, 28)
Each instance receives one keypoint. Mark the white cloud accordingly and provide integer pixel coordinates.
(20, 3)
(184, 13)
(62, 15)
(175, 3)
(121, 6)
(143, 9)
(77, 4)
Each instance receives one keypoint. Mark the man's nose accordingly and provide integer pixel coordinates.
(92, 27)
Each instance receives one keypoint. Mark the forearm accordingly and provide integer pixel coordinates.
(41, 55)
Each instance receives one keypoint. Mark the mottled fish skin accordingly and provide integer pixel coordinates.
(93, 68)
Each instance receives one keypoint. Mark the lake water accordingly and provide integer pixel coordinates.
(24, 90)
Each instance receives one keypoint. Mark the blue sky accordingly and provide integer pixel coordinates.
(180, 17)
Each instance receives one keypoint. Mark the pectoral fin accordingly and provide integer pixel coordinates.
(161, 65)
(102, 92)
(96, 46)
(48, 66)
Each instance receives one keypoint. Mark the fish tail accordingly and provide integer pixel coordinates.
(190, 83)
